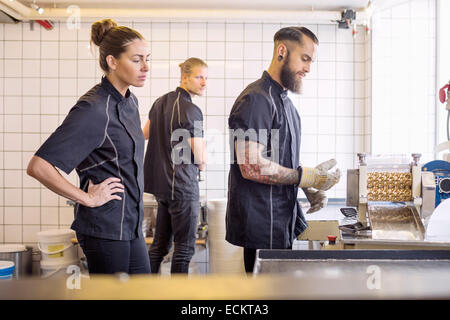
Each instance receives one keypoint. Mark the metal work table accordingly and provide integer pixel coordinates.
(351, 262)
(333, 282)
(351, 242)
(326, 221)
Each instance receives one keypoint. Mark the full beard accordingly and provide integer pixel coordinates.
(289, 78)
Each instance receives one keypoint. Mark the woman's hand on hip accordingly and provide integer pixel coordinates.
(99, 194)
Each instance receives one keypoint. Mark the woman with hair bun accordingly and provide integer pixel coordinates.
(101, 138)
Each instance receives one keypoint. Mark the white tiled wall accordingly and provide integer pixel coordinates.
(333, 106)
(404, 65)
(42, 73)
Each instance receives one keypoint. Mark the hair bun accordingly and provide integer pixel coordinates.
(100, 28)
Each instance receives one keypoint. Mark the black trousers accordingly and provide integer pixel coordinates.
(176, 221)
(249, 259)
(112, 256)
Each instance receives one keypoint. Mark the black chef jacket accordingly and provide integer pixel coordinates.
(261, 215)
(170, 116)
(101, 137)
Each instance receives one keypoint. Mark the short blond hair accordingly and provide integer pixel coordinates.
(187, 66)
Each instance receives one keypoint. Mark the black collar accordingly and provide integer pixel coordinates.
(184, 94)
(279, 89)
(113, 91)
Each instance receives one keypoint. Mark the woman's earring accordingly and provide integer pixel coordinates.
(280, 57)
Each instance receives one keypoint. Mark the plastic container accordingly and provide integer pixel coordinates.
(50, 268)
(6, 270)
(56, 246)
(388, 163)
(150, 212)
(224, 258)
(20, 255)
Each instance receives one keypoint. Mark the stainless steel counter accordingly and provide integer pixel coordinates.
(333, 282)
(347, 241)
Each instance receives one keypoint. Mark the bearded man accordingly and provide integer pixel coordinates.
(265, 173)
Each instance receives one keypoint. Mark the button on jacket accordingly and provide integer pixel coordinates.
(101, 137)
(264, 216)
(164, 178)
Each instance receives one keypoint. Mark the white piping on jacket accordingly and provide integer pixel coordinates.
(118, 169)
(177, 101)
(97, 164)
(121, 180)
(103, 140)
(135, 102)
(274, 111)
(107, 122)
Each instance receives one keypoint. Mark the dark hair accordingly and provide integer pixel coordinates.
(189, 64)
(295, 34)
(111, 39)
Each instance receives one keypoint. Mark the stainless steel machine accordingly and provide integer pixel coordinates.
(392, 196)
(394, 199)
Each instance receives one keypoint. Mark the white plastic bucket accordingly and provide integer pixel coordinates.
(50, 268)
(223, 256)
(56, 246)
(6, 270)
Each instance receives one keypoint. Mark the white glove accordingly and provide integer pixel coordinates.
(317, 199)
(319, 177)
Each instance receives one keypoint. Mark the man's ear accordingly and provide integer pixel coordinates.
(183, 77)
(281, 50)
(112, 62)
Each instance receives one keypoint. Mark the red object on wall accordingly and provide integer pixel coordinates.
(442, 93)
(46, 24)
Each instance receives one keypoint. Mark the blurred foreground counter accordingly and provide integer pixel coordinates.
(329, 284)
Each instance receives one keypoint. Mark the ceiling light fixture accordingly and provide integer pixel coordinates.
(37, 8)
(348, 16)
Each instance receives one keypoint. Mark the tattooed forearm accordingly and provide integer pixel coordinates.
(255, 167)
(282, 176)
